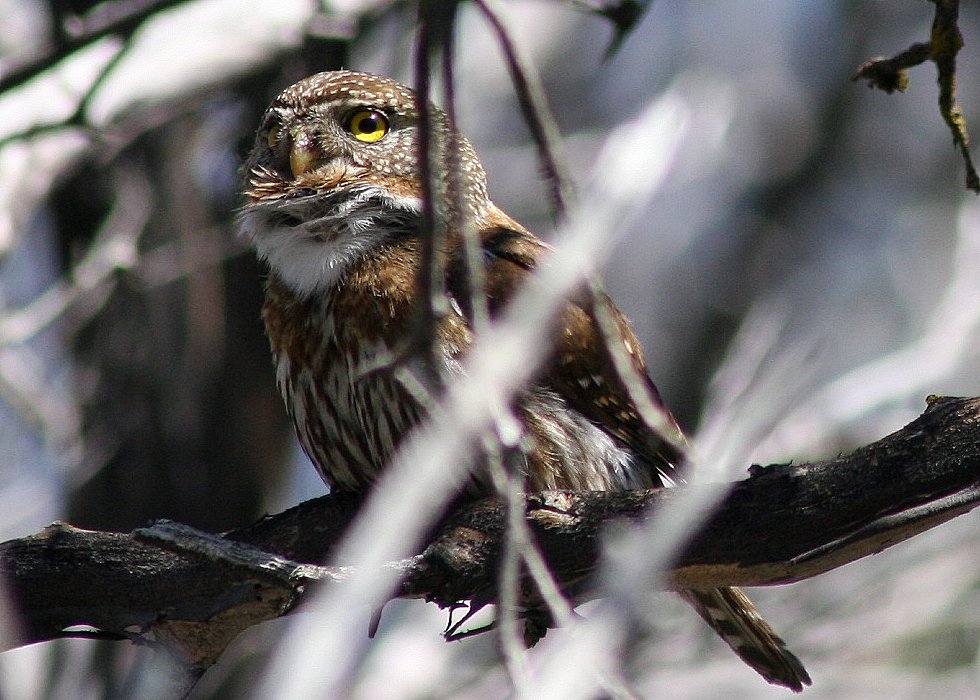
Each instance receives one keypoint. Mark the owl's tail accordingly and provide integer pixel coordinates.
(732, 615)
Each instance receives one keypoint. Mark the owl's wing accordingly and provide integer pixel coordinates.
(582, 368)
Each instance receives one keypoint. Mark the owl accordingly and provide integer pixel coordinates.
(334, 206)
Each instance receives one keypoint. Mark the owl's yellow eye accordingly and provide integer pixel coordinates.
(367, 125)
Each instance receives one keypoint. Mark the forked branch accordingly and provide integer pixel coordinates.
(890, 74)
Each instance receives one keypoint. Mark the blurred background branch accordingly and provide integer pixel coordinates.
(75, 28)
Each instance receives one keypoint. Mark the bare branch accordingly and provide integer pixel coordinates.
(193, 594)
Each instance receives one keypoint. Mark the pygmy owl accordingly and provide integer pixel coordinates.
(334, 206)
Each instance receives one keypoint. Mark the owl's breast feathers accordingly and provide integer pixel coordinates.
(335, 353)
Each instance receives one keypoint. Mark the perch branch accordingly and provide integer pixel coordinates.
(193, 592)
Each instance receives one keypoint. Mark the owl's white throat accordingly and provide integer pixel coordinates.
(333, 232)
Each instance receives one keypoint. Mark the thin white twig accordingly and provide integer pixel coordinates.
(114, 248)
(24, 384)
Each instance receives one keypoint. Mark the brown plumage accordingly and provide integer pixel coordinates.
(334, 207)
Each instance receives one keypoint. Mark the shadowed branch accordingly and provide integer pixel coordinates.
(194, 592)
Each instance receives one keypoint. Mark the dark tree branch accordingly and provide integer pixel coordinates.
(193, 592)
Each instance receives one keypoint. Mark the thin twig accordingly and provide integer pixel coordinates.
(114, 248)
(509, 485)
(436, 20)
(889, 74)
(946, 42)
(623, 14)
(79, 296)
(534, 107)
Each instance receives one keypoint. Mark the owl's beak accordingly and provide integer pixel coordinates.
(304, 153)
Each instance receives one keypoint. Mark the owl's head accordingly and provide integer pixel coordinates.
(335, 171)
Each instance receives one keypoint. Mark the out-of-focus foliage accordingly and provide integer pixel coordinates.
(807, 272)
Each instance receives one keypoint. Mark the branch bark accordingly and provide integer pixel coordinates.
(193, 593)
